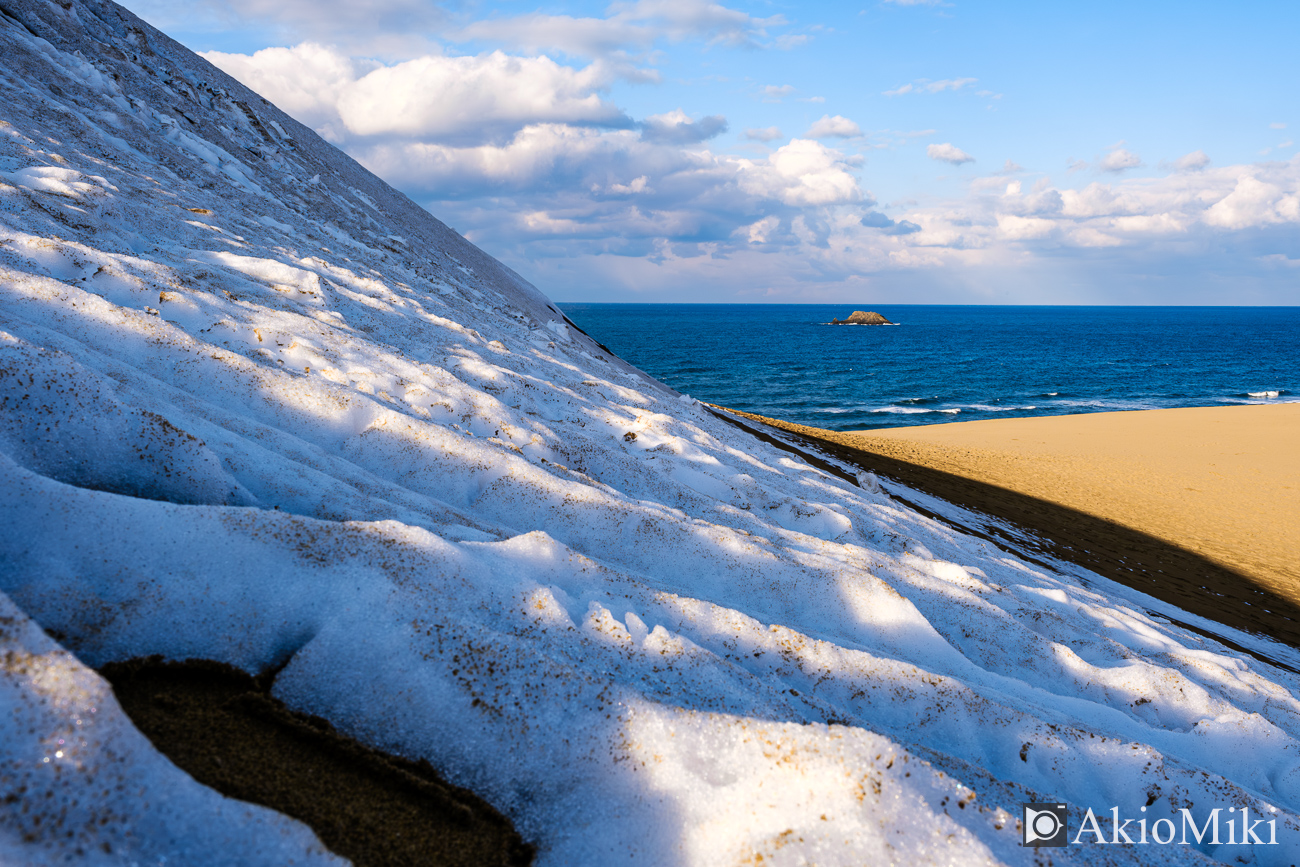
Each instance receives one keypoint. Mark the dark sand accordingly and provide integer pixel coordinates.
(223, 728)
(1197, 507)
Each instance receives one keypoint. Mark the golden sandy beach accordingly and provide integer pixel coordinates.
(1198, 506)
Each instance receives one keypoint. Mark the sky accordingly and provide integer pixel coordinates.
(897, 151)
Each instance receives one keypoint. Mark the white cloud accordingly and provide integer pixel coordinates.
(946, 84)
(925, 85)
(1277, 126)
(681, 19)
(384, 26)
(583, 37)
(635, 25)
(802, 173)
(676, 127)
(306, 81)
(948, 153)
(375, 24)
(769, 133)
(1014, 228)
(1254, 202)
(434, 98)
(787, 42)
(638, 185)
(1192, 162)
(1120, 160)
(760, 231)
(833, 127)
(774, 92)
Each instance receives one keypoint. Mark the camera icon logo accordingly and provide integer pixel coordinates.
(1044, 825)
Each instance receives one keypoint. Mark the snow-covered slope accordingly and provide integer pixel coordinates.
(256, 406)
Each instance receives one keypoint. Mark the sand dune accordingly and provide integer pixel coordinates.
(1221, 483)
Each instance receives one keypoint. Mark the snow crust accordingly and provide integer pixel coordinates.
(259, 407)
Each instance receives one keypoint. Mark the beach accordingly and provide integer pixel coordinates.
(1196, 506)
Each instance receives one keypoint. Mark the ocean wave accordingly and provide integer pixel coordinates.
(1257, 401)
(983, 407)
(1113, 405)
(904, 410)
(1263, 394)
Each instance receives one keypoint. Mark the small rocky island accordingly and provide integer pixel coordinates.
(862, 317)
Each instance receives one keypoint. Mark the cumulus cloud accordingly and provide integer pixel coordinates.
(436, 98)
(948, 153)
(765, 134)
(1119, 160)
(803, 172)
(306, 81)
(1254, 201)
(1192, 162)
(1277, 126)
(833, 127)
(676, 127)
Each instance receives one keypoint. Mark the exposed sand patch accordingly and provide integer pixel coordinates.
(223, 728)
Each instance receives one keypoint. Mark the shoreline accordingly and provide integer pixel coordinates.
(1198, 507)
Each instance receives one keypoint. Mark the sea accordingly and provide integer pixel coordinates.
(941, 364)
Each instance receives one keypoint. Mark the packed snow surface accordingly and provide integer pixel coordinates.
(258, 407)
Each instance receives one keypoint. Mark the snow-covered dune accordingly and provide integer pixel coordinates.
(256, 406)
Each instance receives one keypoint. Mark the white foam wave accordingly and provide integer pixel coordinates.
(1114, 405)
(983, 407)
(1263, 394)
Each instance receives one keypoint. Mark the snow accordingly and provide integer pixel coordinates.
(263, 409)
(92, 785)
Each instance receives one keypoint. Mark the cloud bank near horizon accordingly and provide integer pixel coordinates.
(533, 158)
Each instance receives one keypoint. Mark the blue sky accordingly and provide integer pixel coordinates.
(682, 150)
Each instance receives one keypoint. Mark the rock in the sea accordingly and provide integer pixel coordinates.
(862, 317)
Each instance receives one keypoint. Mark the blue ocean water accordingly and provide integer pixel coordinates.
(954, 363)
